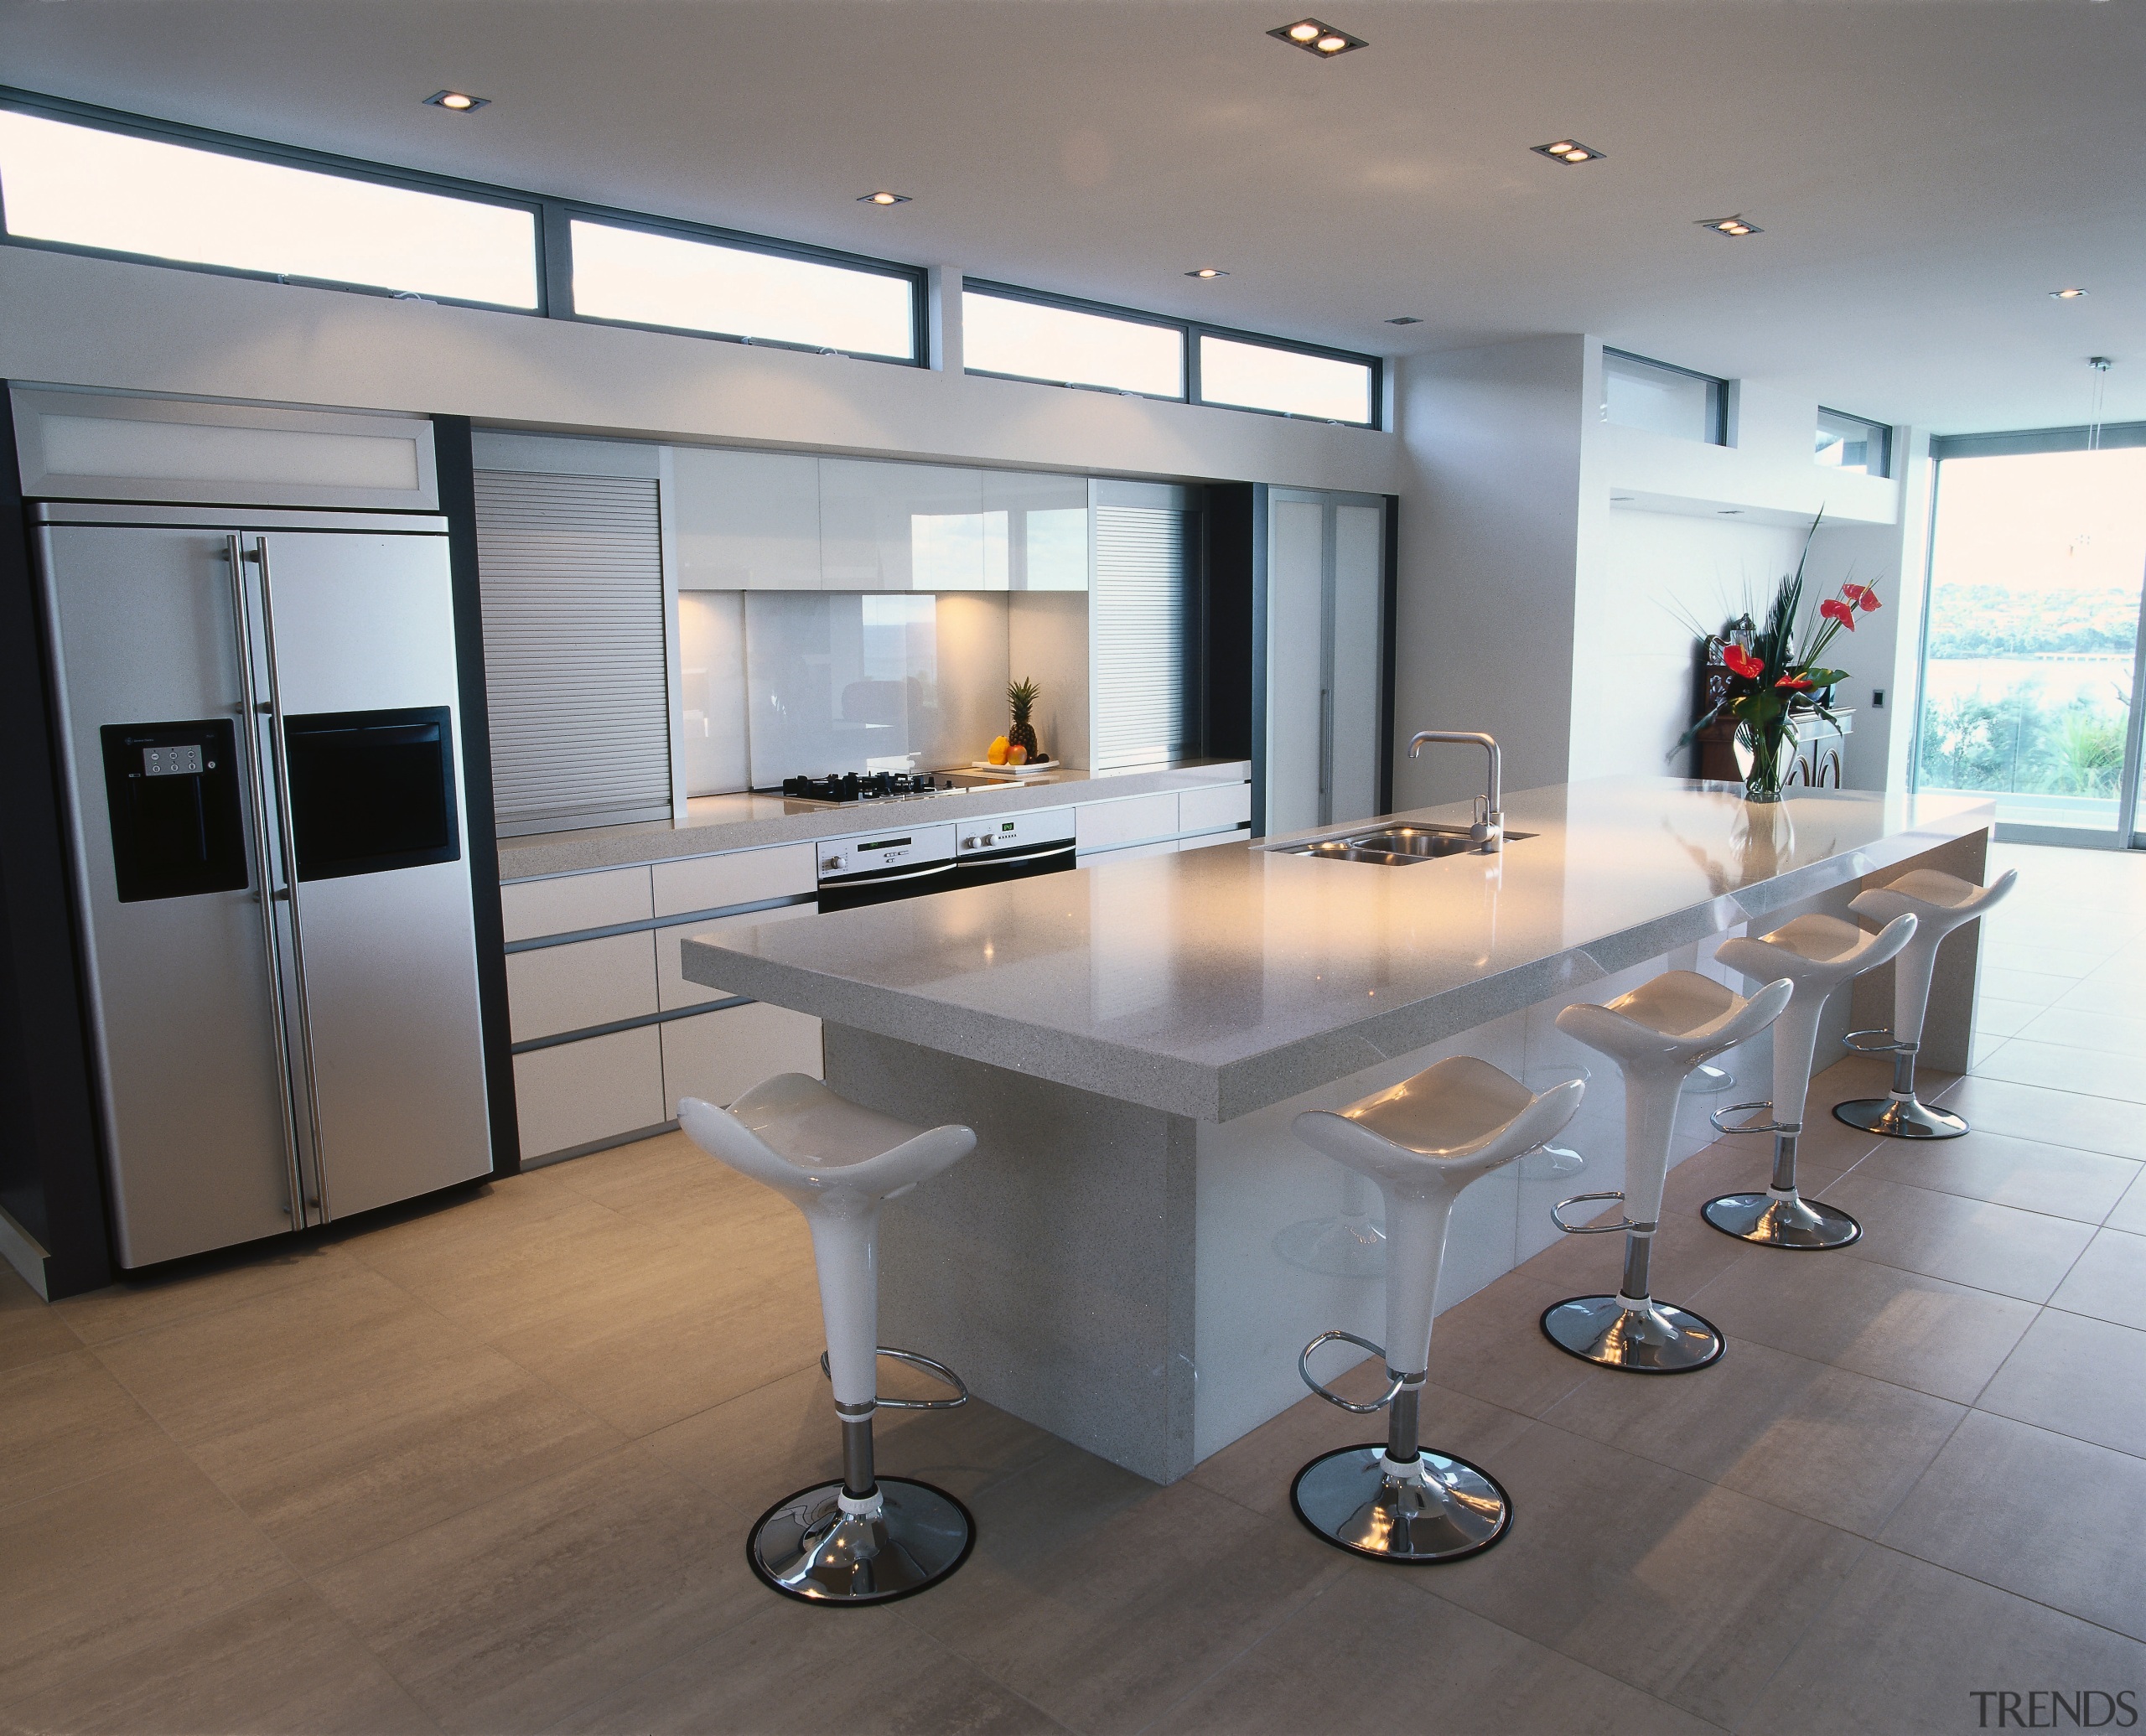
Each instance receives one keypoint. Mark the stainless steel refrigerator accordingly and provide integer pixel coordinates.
(264, 763)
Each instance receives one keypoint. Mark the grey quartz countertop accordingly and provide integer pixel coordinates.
(1212, 983)
(747, 821)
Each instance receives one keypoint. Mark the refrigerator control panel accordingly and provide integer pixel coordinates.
(172, 793)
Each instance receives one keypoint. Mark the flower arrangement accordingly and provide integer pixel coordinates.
(1772, 675)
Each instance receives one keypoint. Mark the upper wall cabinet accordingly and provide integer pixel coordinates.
(1044, 520)
(906, 527)
(747, 520)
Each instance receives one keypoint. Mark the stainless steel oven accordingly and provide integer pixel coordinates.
(912, 861)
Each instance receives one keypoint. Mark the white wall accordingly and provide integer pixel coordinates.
(93, 322)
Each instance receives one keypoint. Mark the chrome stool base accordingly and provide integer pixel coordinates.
(1656, 1337)
(1900, 1118)
(807, 1547)
(1449, 1511)
(1773, 1222)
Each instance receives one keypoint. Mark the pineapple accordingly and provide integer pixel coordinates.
(1022, 696)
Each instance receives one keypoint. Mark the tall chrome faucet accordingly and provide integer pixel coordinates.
(1489, 831)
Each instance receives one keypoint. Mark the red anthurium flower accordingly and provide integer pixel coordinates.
(1742, 663)
(1863, 597)
(1795, 683)
(1834, 609)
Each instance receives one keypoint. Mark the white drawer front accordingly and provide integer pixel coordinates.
(578, 1093)
(672, 988)
(583, 984)
(1208, 838)
(1212, 807)
(742, 877)
(718, 1057)
(1129, 852)
(574, 902)
(1105, 825)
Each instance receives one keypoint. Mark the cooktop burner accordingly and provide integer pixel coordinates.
(865, 786)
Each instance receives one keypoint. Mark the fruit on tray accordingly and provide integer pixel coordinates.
(1022, 696)
(996, 753)
(1016, 754)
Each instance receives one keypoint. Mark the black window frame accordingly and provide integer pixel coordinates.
(1882, 430)
(1189, 331)
(1717, 396)
(550, 239)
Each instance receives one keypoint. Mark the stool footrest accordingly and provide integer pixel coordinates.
(938, 1370)
(1853, 1040)
(1556, 1215)
(1752, 1126)
(1303, 1368)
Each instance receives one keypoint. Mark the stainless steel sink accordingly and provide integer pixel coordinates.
(1394, 846)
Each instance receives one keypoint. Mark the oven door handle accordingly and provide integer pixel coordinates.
(848, 882)
(981, 860)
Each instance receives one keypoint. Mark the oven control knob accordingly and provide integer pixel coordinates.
(971, 843)
(834, 865)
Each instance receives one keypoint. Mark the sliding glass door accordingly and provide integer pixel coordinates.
(2031, 649)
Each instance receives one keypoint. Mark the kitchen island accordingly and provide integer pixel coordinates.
(1131, 1043)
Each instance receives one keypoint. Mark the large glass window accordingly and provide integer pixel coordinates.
(2036, 564)
(120, 193)
(1070, 346)
(646, 277)
(1849, 442)
(1637, 393)
(1260, 376)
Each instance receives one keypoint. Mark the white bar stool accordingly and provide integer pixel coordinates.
(1940, 903)
(1655, 1034)
(1818, 954)
(1421, 1142)
(864, 1539)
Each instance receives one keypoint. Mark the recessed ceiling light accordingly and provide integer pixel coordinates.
(883, 197)
(1568, 150)
(1405, 319)
(460, 102)
(1315, 37)
(1207, 271)
(2066, 295)
(1730, 225)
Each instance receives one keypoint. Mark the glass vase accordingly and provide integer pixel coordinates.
(1770, 748)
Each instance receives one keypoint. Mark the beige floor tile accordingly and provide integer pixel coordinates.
(810, 1671)
(1939, 1338)
(2061, 1067)
(135, 1304)
(2027, 1112)
(1689, 1253)
(63, 1419)
(1371, 1654)
(2118, 988)
(1682, 1588)
(2109, 1281)
(508, 1615)
(2102, 1032)
(30, 1328)
(1256, 1471)
(1101, 1598)
(2078, 1376)
(2039, 988)
(1491, 1346)
(1966, 1241)
(2130, 1214)
(283, 1662)
(99, 1569)
(343, 1414)
(2019, 1173)
(754, 1449)
(1996, 1017)
(1822, 1442)
(2049, 1517)
(2011, 949)
(671, 1182)
(703, 1325)
(1900, 1649)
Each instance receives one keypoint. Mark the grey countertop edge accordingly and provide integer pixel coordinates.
(1179, 1086)
(549, 854)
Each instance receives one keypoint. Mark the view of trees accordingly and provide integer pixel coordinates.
(2021, 742)
(2009, 621)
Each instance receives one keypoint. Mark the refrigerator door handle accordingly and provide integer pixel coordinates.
(287, 840)
(265, 891)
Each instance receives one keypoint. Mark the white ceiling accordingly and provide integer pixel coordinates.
(1925, 171)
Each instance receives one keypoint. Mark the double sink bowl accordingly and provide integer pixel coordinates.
(1394, 846)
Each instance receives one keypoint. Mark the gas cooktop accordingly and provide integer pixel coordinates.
(838, 792)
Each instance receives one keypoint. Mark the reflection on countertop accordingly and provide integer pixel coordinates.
(749, 819)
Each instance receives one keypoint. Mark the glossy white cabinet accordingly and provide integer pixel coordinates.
(579, 1094)
(736, 877)
(1130, 820)
(1044, 522)
(568, 904)
(719, 1056)
(907, 527)
(583, 984)
(746, 520)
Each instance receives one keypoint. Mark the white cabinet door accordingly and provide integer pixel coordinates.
(1131, 820)
(1352, 719)
(584, 983)
(902, 528)
(576, 1094)
(569, 903)
(736, 877)
(746, 520)
(718, 1057)
(1213, 807)
(1044, 520)
(1296, 698)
